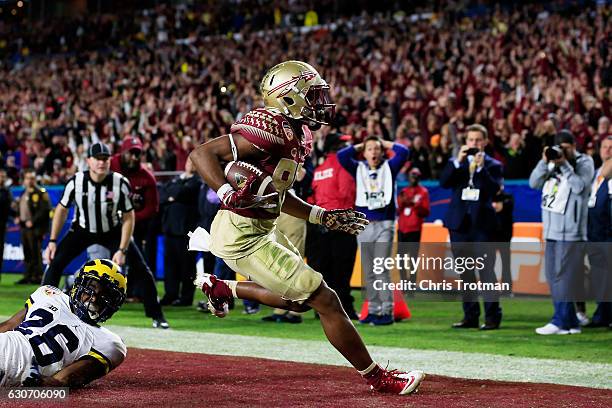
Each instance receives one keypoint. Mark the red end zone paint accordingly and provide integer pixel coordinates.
(153, 378)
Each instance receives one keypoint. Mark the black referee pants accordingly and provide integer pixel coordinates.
(77, 240)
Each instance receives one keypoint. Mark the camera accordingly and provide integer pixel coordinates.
(472, 151)
(553, 153)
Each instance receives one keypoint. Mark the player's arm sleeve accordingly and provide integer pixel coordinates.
(106, 354)
(264, 141)
(68, 195)
(109, 352)
(125, 202)
(39, 295)
(75, 375)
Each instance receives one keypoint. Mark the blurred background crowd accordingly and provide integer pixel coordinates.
(176, 76)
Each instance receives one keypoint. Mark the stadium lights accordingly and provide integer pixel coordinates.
(20, 4)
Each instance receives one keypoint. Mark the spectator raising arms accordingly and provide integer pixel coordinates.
(375, 196)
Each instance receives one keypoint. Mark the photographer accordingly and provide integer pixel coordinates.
(564, 176)
(475, 179)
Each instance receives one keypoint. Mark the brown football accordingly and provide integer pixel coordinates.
(238, 172)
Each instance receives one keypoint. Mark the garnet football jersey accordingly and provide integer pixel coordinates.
(286, 149)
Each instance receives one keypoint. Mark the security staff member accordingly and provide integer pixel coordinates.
(33, 219)
(105, 216)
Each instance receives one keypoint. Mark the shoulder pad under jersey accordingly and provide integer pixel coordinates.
(265, 128)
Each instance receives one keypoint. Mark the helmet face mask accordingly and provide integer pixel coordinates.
(319, 107)
(98, 292)
(297, 90)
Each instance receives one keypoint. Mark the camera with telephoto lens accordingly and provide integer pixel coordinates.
(553, 153)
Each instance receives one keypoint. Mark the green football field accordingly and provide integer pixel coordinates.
(429, 327)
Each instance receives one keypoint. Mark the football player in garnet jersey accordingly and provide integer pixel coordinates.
(277, 139)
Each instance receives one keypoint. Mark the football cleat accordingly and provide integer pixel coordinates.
(218, 293)
(395, 382)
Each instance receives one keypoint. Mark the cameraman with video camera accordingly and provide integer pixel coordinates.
(564, 176)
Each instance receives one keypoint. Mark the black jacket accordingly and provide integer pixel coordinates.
(208, 205)
(6, 199)
(179, 203)
(505, 219)
(481, 212)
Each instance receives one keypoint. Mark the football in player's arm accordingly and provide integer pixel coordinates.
(207, 160)
(277, 139)
(56, 340)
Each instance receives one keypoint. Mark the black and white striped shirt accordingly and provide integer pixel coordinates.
(97, 204)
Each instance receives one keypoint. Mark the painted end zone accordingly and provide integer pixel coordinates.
(170, 379)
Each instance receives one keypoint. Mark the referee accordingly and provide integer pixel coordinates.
(104, 215)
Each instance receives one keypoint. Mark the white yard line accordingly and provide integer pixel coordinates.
(448, 363)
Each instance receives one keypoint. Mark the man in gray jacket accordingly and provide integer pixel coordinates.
(564, 176)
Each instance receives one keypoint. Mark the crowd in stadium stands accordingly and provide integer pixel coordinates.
(162, 76)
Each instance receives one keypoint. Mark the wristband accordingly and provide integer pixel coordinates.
(54, 241)
(316, 214)
(124, 251)
(224, 191)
